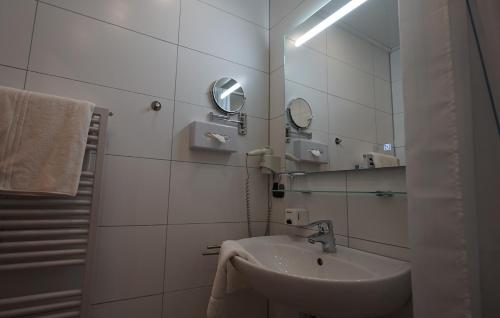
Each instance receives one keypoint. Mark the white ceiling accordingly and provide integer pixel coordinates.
(375, 19)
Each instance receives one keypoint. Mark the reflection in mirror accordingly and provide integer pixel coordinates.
(300, 113)
(344, 60)
(228, 95)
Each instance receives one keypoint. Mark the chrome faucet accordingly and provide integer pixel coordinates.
(325, 235)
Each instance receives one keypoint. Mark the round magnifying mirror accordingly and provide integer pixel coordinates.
(228, 95)
(300, 113)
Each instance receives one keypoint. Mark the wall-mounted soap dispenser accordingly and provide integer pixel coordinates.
(269, 163)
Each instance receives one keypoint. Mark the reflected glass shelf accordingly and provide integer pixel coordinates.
(376, 193)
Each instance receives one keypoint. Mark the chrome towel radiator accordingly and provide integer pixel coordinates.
(47, 243)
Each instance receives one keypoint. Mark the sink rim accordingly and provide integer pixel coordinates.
(404, 266)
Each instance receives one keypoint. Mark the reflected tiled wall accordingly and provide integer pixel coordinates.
(162, 204)
(399, 107)
(347, 81)
(365, 222)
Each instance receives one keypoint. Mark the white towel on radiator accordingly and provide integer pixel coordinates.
(227, 279)
(42, 142)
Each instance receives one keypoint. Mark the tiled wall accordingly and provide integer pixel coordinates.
(365, 222)
(398, 105)
(347, 80)
(162, 203)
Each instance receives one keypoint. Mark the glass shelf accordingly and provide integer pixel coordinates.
(376, 193)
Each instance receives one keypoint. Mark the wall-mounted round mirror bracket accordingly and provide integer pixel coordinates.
(228, 95)
(300, 113)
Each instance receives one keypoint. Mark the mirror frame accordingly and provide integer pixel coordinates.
(291, 116)
(214, 98)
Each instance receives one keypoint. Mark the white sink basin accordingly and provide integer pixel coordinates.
(346, 284)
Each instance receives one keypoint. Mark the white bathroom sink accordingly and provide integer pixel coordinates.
(346, 284)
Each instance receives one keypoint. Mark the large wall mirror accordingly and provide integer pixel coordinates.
(350, 75)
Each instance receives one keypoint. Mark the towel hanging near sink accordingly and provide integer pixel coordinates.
(227, 279)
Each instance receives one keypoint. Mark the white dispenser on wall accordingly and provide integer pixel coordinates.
(215, 137)
(310, 151)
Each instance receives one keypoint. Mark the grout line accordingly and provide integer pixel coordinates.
(106, 22)
(225, 59)
(152, 37)
(336, 96)
(163, 300)
(128, 91)
(347, 210)
(125, 299)
(378, 242)
(31, 45)
(14, 67)
(234, 15)
(101, 85)
(183, 161)
(284, 17)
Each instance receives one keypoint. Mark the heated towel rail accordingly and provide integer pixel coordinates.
(47, 243)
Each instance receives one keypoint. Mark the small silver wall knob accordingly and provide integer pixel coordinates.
(156, 105)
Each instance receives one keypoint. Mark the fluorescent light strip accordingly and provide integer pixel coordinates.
(337, 15)
(230, 90)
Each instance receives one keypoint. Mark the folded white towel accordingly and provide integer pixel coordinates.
(227, 279)
(380, 160)
(42, 142)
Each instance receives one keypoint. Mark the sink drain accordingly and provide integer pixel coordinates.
(319, 261)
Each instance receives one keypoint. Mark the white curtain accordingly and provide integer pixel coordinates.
(453, 157)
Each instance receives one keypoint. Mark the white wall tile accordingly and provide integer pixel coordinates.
(134, 129)
(159, 19)
(277, 137)
(385, 134)
(256, 11)
(381, 64)
(256, 137)
(129, 262)
(73, 46)
(134, 191)
(350, 49)
(228, 36)
(277, 93)
(396, 72)
(144, 307)
(317, 99)
(191, 303)
(383, 99)
(202, 193)
(380, 249)
(280, 9)
(399, 130)
(186, 267)
(401, 154)
(306, 66)
(197, 72)
(378, 219)
(348, 154)
(12, 77)
(347, 82)
(352, 120)
(246, 304)
(16, 26)
(397, 97)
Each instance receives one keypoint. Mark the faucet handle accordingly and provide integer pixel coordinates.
(321, 226)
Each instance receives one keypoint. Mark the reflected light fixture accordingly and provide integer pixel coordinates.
(337, 15)
(230, 90)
